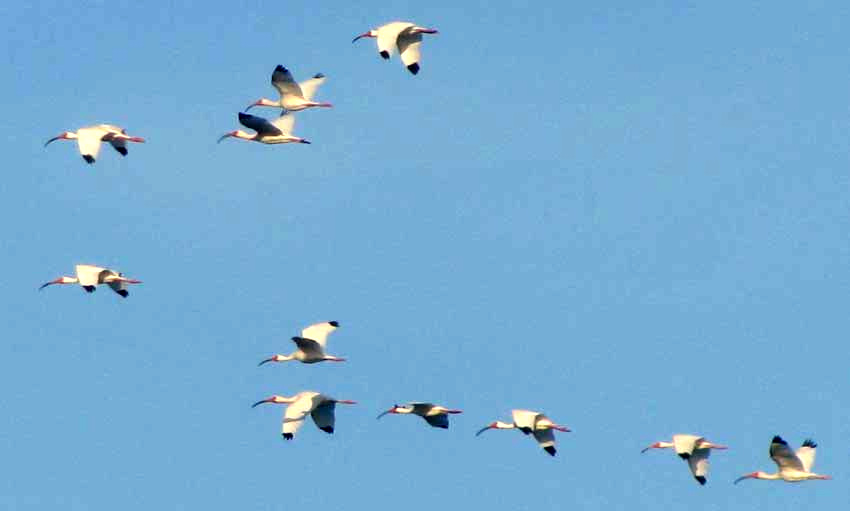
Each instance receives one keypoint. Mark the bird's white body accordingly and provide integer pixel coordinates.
(278, 131)
(294, 96)
(319, 406)
(311, 345)
(435, 415)
(793, 466)
(89, 139)
(401, 36)
(531, 423)
(89, 277)
(694, 449)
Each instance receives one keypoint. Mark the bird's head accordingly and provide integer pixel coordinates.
(273, 358)
(273, 399)
(751, 475)
(371, 33)
(65, 135)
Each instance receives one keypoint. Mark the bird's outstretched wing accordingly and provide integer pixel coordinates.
(88, 141)
(88, 275)
(310, 347)
(285, 123)
(258, 124)
(408, 47)
(319, 332)
(806, 454)
(323, 416)
(284, 83)
(698, 463)
(783, 456)
(309, 87)
(294, 415)
(440, 420)
(388, 36)
(525, 420)
(546, 439)
(684, 445)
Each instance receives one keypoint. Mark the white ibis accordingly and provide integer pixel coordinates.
(278, 131)
(294, 96)
(793, 467)
(311, 345)
(89, 277)
(319, 406)
(435, 415)
(401, 35)
(89, 139)
(531, 423)
(693, 449)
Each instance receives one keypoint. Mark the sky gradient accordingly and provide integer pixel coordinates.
(633, 219)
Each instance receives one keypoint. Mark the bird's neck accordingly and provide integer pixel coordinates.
(504, 425)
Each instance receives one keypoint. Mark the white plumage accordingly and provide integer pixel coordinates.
(89, 139)
(319, 406)
(403, 36)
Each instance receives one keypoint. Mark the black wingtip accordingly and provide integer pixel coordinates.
(89, 158)
(89, 289)
(809, 443)
(385, 54)
(288, 436)
(123, 292)
(700, 479)
(334, 324)
(413, 68)
(122, 150)
(551, 450)
(328, 429)
(319, 75)
(684, 455)
(280, 69)
(778, 440)
(525, 430)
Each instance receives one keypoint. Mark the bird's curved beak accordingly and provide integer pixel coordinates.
(266, 361)
(747, 476)
(226, 135)
(485, 428)
(59, 137)
(366, 34)
(261, 402)
(57, 281)
(562, 429)
(391, 410)
(252, 105)
(648, 447)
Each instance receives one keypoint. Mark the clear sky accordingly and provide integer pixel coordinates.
(632, 218)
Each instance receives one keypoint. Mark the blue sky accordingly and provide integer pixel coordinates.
(632, 218)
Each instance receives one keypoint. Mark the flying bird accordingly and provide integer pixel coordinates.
(318, 406)
(793, 467)
(89, 277)
(402, 36)
(693, 449)
(278, 131)
(311, 345)
(435, 415)
(89, 139)
(294, 96)
(531, 423)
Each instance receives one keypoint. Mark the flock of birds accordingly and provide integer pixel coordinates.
(405, 38)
